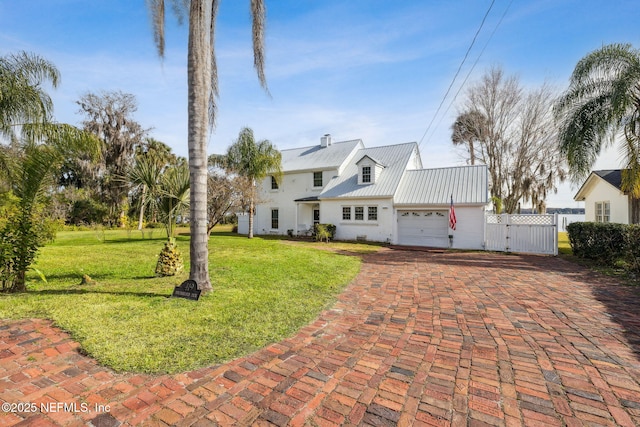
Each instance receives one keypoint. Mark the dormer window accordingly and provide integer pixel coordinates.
(369, 170)
(366, 174)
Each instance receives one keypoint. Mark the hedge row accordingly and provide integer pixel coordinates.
(607, 243)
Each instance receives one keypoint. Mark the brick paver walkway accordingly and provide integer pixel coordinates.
(418, 339)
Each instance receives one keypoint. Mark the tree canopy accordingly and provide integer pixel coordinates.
(602, 106)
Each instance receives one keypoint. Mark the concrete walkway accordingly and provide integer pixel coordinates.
(418, 339)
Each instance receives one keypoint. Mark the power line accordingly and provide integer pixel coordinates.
(472, 67)
(457, 72)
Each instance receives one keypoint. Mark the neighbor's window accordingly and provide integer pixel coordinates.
(274, 219)
(603, 212)
(317, 179)
(359, 213)
(274, 183)
(366, 174)
(346, 213)
(372, 213)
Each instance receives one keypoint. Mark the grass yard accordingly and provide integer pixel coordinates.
(264, 291)
(564, 247)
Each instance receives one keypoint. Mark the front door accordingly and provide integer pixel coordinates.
(316, 216)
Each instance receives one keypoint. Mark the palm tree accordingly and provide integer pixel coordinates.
(469, 128)
(252, 161)
(202, 80)
(172, 200)
(145, 177)
(22, 97)
(29, 172)
(602, 104)
(37, 148)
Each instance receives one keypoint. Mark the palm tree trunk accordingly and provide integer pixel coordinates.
(199, 87)
(142, 203)
(251, 209)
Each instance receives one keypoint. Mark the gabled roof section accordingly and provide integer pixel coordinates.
(611, 176)
(377, 162)
(317, 157)
(467, 184)
(394, 157)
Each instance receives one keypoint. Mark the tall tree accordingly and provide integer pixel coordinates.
(514, 134)
(109, 117)
(253, 161)
(202, 80)
(602, 105)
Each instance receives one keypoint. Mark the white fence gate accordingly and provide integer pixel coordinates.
(534, 234)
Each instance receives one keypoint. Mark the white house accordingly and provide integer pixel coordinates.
(377, 194)
(603, 199)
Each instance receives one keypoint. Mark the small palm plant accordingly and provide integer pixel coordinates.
(173, 200)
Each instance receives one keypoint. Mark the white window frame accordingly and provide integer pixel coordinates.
(603, 211)
(274, 183)
(361, 213)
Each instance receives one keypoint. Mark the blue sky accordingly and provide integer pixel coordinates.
(375, 70)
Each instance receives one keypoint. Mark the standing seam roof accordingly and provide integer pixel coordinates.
(467, 185)
(317, 157)
(395, 159)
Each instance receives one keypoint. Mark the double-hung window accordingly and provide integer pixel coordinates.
(275, 223)
(274, 183)
(372, 213)
(317, 179)
(346, 213)
(359, 213)
(366, 174)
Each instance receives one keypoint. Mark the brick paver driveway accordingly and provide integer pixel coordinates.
(418, 339)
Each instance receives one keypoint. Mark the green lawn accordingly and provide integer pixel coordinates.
(564, 247)
(264, 291)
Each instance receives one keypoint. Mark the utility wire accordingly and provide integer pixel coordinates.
(457, 72)
(472, 68)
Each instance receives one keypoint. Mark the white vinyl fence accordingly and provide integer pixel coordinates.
(534, 234)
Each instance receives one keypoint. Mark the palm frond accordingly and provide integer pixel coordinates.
(259, 15)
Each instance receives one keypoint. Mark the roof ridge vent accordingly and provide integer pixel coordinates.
(325, 141)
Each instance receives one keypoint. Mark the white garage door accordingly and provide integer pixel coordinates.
(423, 228)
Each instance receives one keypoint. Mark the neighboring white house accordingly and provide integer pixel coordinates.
(604, 201)
(377, 194)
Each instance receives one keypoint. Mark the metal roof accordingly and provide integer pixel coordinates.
(318, 158)
(467, 184)
(394, 157)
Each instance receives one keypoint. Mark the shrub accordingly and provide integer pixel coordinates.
(324, 232)
(603, 242)
(609, 244)
(632, 244)
(23, 230)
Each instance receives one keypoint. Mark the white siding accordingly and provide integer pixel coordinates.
(602, 191)
(293, 186)
(376, 231)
